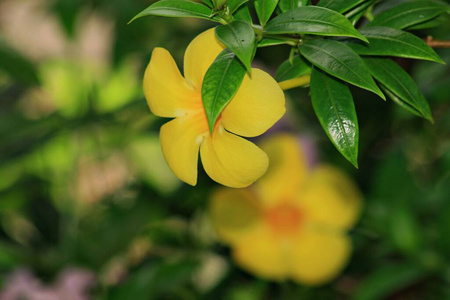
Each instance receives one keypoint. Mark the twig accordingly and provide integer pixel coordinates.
(437, 43)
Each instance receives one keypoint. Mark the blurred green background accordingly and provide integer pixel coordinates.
(89, 209)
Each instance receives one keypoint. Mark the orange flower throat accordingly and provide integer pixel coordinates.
(284, 218)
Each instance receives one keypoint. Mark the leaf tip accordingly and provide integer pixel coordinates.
(134, 19)
(211, 124)
(363, 38)
(353, 159)
(249, 70)
(380, 93)
(441, 61)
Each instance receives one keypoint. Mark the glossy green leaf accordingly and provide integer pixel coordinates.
(356, 13)
(431, 23)
(399, 101)
(292, 69)
(334, 107)
(387, 41)
(233, 5)
(313, 20)
(387, 280)
(17, 66)
(340, 61)
(286, 5)
(239, 37)
(221, 82)
(396, 80)
(340, 6)
(264, 9)
(243, 14)
(409, 14)
(177, 8)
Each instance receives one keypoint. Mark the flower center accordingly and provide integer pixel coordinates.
(284, 218)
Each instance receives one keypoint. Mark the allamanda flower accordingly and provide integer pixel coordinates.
(292, 223)
(227, 158)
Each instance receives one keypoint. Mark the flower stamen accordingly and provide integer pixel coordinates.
(285, 218)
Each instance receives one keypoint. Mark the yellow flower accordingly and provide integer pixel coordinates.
(227, 158)
(292, 223)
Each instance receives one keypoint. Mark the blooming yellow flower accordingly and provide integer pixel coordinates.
(227, 158)
(292, 223)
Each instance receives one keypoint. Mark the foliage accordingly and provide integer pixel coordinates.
(301, 25)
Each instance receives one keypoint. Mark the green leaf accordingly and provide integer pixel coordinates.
(243, 14)
(267, 42)
(387, 280)
(334, 107)
(264, 9)
(286, 5)
(387, 41)
(177, 8)
(313, 20)
(430, 23)
(399, 101)
(341, 61)
(17, 66)
(358, 12)
(409, 14)
(340, 6)
(292, 69)
(233, 5)
(239, 37)
(221, 82)
(396, 80)
(208, 3)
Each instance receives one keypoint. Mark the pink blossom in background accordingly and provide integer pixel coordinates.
(71, 284)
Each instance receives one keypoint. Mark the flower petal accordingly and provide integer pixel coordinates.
(168, 94)
(263, 255)
(200, 54)
(331, 198)
(287, 170)
(235, 213)
(318, 257)
(257, 105)
(180, 143)
(231, 160)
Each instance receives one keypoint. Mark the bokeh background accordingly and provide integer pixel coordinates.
(89, 209)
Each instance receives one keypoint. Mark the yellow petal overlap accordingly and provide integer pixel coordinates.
(180, 143)
(258, 104)
(167, 92)
(232, 160)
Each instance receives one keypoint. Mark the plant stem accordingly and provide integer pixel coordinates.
(289, 40)
(437, 43)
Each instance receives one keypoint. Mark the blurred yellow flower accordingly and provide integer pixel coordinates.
(227, 158)
(292, 223)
